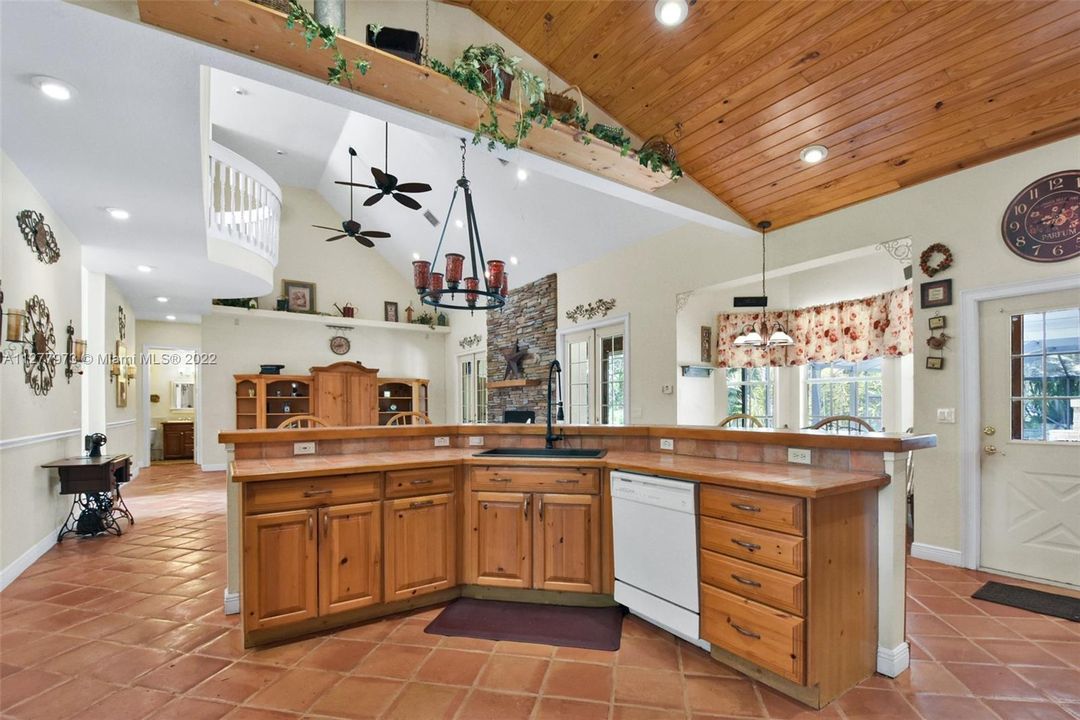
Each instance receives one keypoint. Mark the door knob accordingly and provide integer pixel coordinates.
(990, 449)
(989, 430)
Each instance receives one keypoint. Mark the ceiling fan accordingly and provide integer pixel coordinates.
(350, 226)
(388, 184)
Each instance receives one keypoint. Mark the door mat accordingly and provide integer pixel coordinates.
(591, 628)
(1037, 601)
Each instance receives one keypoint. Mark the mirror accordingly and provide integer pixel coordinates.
(183, 396)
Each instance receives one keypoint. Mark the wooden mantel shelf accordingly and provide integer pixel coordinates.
(259, 32)
(520, 382)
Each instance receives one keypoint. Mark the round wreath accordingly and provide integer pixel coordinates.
(943, 264)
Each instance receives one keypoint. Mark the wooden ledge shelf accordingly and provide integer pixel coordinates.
(522, 382)
(326, 320)
(259, 32)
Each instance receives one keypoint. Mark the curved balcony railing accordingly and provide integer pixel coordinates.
(244, 206)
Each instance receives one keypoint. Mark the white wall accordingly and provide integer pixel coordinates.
(120, 423)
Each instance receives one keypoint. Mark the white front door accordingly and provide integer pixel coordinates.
(594, 363)
(1030, 495)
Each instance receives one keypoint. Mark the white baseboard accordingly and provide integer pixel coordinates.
(893, 661)
(933, 553)
(232, 603)
(15, 569)
(135, 471)
(213, 467)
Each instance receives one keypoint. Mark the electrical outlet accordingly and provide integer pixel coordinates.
(798, 455)
(442, 441)
(667, 444)
(946, 415)
(476, 440)
(667, 389)
(307, 448)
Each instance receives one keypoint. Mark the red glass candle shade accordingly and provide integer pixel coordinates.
(454, 265)
(496, 268)
(436, 286)
(421, 273)
(471, 285)
(504, 290)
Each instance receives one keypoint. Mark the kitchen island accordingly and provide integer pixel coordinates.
(382, 520)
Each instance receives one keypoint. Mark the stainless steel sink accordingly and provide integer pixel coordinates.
(543, 452)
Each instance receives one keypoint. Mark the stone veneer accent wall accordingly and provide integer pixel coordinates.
(530, 317)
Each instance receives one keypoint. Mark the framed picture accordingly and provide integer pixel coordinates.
(937, 293)
(390, 311)
(121, 392)
(706, 344)
(935, 363)
(300, 296)
(937, 322)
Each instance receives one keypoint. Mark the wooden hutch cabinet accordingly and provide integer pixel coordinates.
(265, 401)
(345, 394)
(397, 395)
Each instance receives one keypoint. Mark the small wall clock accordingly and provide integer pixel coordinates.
(39, 354)
(1042, 224)
(339, 344)
(39, 236)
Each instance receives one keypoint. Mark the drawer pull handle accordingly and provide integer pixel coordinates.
(421, 503)
(310, 527)
(743, 631)
(568, 481)
(421, 482)
(748, 545)
(498, 479)
(745, 581)
(313, 493)
(527, 506)
(745, 508)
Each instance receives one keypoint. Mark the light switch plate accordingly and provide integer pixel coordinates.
(667, 389)
(946, 415)
(307, 448)
(798, 455)
(667, 444)
(476, 440)
(442, 441)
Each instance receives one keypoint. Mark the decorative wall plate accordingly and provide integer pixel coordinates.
(39, 353)
(39, 236)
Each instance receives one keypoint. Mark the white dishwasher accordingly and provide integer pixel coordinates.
(654, 523)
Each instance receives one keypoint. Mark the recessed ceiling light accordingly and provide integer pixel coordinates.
(460, 223)
(170, 317)
(239, 91)
(279, 152)
(814, 154)
(162, 299)
(522, 174)
(144, 268)
(416, 256)
(118, 213)
(53, 88)
(671, 12)
(513, 259)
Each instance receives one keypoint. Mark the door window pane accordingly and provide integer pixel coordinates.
(612, 381)
(1046, 376)
(579, 382)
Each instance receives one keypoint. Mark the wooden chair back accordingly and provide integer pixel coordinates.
(843, 423)
(302, 421)
(742, 420)
(409, 418)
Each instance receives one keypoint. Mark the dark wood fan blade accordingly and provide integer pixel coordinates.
(381, 178)
(324, 227)
(373, 199)
(352, 184)
(364, 241)
(414, 187)
(407, 201)
(375, 234)
(336, 237)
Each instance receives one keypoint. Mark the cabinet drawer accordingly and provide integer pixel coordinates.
(764, 547)
(765, 510)
(422, 481)
(772, 587)
(764, 636)
(311, 492)
(514, 479)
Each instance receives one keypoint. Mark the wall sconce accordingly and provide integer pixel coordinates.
(16, 321)
(76, 353)
(114, 370)
(129, 373)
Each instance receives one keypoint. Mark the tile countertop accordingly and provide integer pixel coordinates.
(802, 481)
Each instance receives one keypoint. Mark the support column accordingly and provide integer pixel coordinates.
(233, 518)
(893, 651)
(331, 12)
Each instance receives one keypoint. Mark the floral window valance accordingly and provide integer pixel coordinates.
(852, 330)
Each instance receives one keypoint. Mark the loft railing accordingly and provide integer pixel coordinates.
(244, 207)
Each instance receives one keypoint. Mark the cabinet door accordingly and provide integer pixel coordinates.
(500, 542)
(566, 543)
(331, 398)
(361, 404)
(350, 557)
(420, 545)
(172, 444)
(280, 569)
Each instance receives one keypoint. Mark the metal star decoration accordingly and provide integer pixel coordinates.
(515, 359)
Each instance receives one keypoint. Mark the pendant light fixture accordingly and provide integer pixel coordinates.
(487, 280)
(768, 334)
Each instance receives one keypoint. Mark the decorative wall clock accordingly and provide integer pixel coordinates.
(39, 236)
(39, 353)
(1042, 223)
(339, 344)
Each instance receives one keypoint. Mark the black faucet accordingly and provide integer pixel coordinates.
(551, 437)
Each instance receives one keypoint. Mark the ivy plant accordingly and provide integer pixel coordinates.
(313, 30)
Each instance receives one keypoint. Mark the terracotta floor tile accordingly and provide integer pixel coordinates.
(994, 681)
(285, 654)
(581, 681)
(81, 657)
(925, 676)
(131, 702)
(641, 686)
(25, 684)
(550, 708)
(412, 633)
(868, 704)
(1067, 651)
(508, 647)
(237, 682)
(295, 690)
(636, 712)
(189, 708)
(337, 655)
(1039, 628)
(976, 626)
(602, 657)
(1061, 684)
(728, 696)
(950, 606)
(101, 627)
(40, 649)
(489, 705)
(423, 700)
(464, 643)
(230, 645)
(951, 707)
(124, 667)
(947, 649)
(452, 667)
(918, 624)
(143, 631)
(513, 673)
(62, 701)
(648, 652)
(183, 673)
(254, 713)
(781, 707)
(375, 631)
(1017, 710)
(1020, 652)
(392, 661)
(358, 697)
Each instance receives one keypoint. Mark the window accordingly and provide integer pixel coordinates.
(472, 372)
(594, 366)
(845, 388)
(752, 391)
(1046, 375)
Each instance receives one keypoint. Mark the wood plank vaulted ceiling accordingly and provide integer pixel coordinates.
(900, 92)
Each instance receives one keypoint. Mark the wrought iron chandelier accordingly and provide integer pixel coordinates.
(441, 290)
(769, 334)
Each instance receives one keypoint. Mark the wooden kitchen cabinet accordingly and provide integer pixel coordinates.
(350, 557)
(500, 544)
(421, 545)
(566, 543)
(345, 394)
(280, 569)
